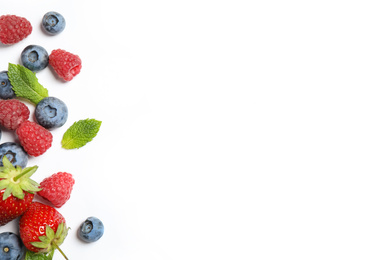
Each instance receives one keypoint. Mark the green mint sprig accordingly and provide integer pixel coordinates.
(25, 83)
(80, 133)
(38, 256)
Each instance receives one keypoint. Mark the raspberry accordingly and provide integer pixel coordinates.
(57, 188)
(65, 64)
(35, 139)
(12, 113)
(13, 29)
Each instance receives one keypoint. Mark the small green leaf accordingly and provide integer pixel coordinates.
(39, 244)
(6, 193)
(80, 133)
(44, 239)
(4, 184)
(60, 229)
(17, 192)
(49, 233)
(30, 186)
(7, 163)
(25, 83)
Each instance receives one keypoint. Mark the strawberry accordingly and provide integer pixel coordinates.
(17, 189)
(43, 229)
(57, 188)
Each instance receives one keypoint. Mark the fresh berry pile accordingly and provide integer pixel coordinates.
(42, 228)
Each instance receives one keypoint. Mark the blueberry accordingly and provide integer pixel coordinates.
(91, 230)
(35, 58)
(15, 154)
(53, 23)
(6, 91)
(51, 112)
(11, 246)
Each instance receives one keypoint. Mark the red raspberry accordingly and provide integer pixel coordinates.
(65, 64)
(34, 138)
(13, 29)
(57, 188)
(12, 113)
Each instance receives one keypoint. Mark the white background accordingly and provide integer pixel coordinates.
(231, 129)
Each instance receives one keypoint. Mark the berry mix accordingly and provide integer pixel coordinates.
(42, 228)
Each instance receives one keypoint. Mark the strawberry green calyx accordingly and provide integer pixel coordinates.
(52, 240)
(16, 180)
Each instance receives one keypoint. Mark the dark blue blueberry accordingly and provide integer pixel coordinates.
(51, 112)
(53, 23)
(15, 154)
(11, 246)
(91, 230)
(35, 58)
(6, 91)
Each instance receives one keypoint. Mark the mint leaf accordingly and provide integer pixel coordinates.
(25, 83)
(37, 256)
(80, 133)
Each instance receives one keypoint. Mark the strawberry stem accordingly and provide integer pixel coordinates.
(24, 172)
(59, 249)
(19, 176)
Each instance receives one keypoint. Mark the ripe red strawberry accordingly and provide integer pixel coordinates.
(13, 29)
(17, 190)
(42, 229)
(34, 138)
(65, 64)
(57, 188)
(12, 113)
